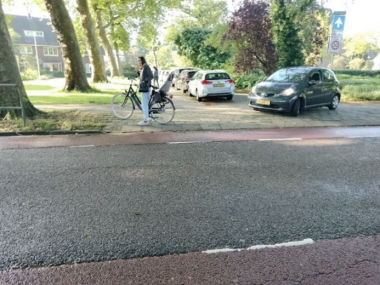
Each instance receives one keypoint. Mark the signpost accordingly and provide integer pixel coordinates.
(337, 27)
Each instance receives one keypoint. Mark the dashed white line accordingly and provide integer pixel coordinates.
(281, 139)
(89, 145)
(261, 246)
(188, 142)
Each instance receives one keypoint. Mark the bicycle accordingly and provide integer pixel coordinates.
(161, 107)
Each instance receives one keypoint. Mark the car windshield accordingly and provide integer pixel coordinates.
(216, 76)
(288, 75)
(191, 74)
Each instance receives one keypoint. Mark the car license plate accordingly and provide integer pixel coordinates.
(263, 102)
(219, 85)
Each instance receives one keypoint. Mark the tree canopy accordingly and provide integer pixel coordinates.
(250, 30)
(285, 33)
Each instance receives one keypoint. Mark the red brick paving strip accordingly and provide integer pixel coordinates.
(344, 261)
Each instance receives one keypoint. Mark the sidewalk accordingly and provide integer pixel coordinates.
(226, 115)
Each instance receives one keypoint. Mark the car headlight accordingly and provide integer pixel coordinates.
(253, 91)
(288, 92)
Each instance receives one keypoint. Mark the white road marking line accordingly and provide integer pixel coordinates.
(184, 142)
(358, 137)
(283, 139)
(261, 246)
(89, 145)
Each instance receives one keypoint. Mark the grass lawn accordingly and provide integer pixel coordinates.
(56, 120)
(45, 92)
(360, 88)
(73, 98)
(50, 92)
(32, 87)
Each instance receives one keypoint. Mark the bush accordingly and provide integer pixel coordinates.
(130, 72)
(371, 73)
(29, 74)
(248, 81)
(59, 74)
(356, 63)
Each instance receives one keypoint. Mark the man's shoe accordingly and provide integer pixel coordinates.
(143, 123)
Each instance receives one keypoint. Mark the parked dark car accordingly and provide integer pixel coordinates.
(183, 80)
(296, 89)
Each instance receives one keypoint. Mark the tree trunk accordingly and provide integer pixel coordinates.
(106, 43)
(10, 74)
(118, 58)
(75, 73)
(98, 72)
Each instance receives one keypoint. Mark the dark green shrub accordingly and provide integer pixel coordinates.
(247, 81)
(58, 74)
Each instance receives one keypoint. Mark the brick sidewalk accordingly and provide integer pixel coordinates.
(223, 115)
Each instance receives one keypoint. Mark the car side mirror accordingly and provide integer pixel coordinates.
(312, 82)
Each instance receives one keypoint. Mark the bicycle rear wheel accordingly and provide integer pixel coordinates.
(162, 112)
(122, 106)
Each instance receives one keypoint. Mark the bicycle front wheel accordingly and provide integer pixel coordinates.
(122, 106)
(162, 112)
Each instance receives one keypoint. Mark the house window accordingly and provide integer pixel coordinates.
(50, 51)
(25, 50)
(38, 34)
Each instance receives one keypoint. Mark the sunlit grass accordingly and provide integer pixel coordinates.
(32, 87)
(73, 98)
(360, 88)
(56, 120)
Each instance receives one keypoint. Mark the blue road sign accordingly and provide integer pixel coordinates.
(338, 22)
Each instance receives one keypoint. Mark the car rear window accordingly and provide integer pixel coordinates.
(191, 73)
(216, 76)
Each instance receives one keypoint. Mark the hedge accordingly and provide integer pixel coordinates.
(371, 73)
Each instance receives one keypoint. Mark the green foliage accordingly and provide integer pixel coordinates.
(313, 25)
(209, 18)
(360, 45)
(339, 62)
(285, 32)
(191, 44)
(252, 41)
(358, 52)
(249, 80)
(356, 63)
(130, 72)
(29, 74)
(207, 14)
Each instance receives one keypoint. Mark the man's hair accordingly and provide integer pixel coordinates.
(143, 61)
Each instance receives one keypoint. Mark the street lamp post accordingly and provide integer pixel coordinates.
(36, 51)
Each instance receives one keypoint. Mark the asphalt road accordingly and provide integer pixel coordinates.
(66, 205)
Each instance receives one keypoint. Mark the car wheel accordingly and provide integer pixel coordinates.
(199, 99)
(296, 109)
(229, 97)
(334, 102)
